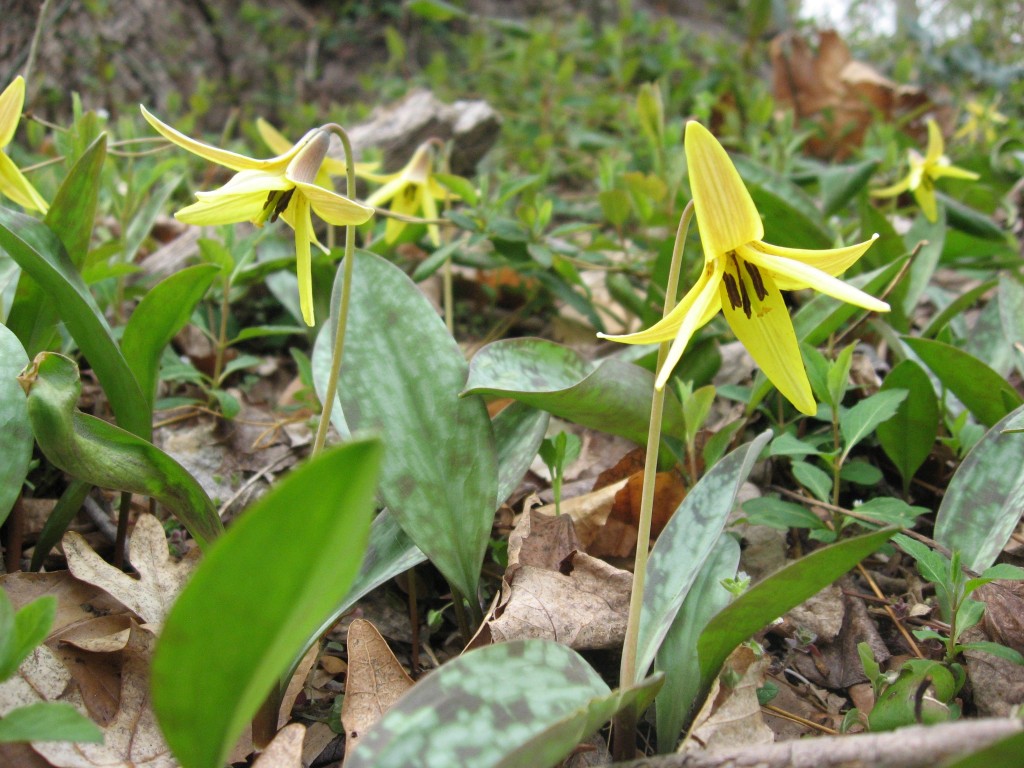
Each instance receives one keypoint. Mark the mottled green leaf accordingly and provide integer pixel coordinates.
(931, 236)
(676, 658)
(522, 704)
(686, 542)
(15, 429)
(984, 392)
(102, 454)
(48, 721)
(861, 420)
(778, 593)
(518, 433)
(401, 377)
(981, 506)
(163, 311)
(256, 599)
(908, 437)
(40, 253)
(612, 397)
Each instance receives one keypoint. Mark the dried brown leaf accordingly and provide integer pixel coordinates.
(733, 716)
(374, 682)
(285, 751)
(160, 578)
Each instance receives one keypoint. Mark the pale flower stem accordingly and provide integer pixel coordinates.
(346, 289)
(627, 672)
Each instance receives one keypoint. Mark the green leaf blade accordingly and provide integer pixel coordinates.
(242, 617)
(908, 437)
(15, 427)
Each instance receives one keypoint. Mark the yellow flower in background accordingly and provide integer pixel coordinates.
(924, 172)
(13, 183)
(411, 191)
(330, 167)
(262, 190)
(982, 121)
(744, 276)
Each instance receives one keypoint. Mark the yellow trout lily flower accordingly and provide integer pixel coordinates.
(13, 183)
(924, 172)
(411, 191)
(744, 276)
(982, 121)
(331, 166)
(262, 190)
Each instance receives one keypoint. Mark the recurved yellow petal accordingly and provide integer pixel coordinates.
(936, 147)
(953, 172)
(892, 190)
(726, 215)
(705, 306)
(217, 155)
(332, 207)
(833, 261)
(11, 102)
(214, 208)
(769, 337)
(803, 275)
(393, 184)
(15, 186)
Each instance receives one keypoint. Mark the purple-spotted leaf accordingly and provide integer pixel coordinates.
(15, 429)
(401, 377)
(982, 504)
(612, 396)
(524, 704)
(686, 542)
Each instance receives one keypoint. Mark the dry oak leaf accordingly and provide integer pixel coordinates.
(160, 578)
(285, 751)
(375, 681)
(132, 740)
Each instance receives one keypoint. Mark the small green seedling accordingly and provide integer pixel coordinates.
(557, 453)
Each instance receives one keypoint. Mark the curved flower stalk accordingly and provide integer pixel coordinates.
(744, 276)
(262, 190)
(331, 166)
(411, 191)
(924, 172)
(13, 183)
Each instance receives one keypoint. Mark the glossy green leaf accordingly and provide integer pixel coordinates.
(909, 436)
(931, 236)
(15, 429)
(960, 304)
(841, 183)
(401, 376)
(435, 10)
(814, 479)
(685, 543)
(969, 220)
(40, 253)
(775, 595)
(612, 397)
(102, 454)
(21, 631)
(862, 419)
(71, 216)
(256, 599)
(521, 704)
(791, 217)
(163, 311)
(984, 392)
(676, 657)
(48, 721)
(838, 376)
(981, 506)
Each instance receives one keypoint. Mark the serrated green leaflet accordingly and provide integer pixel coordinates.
(401, 377)
(686, 542)
(981, 506)
(257, 598)
(613, 396)
(523, 704)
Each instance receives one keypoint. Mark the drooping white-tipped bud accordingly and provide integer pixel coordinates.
(306, 164)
